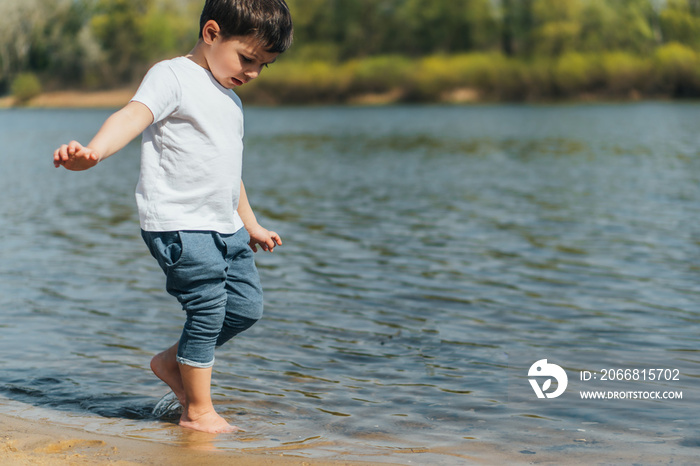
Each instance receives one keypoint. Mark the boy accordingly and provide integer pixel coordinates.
(193, 209)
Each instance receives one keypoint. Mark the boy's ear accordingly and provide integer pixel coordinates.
(210, 31)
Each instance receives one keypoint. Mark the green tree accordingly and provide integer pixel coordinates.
(117, 26)
(680, 22)
(313, 21)
(19, 22)
(167, 28)
(64, 48)
(556, 28)
(637, 23)
(428, 26)
(599, 26)
(608, 25)
(49, 37)
(516, 27)
(362, 27)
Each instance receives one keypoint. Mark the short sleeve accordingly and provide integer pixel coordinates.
(159, 91)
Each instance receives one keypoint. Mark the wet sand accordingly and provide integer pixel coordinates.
(37, 443)
(40, 443)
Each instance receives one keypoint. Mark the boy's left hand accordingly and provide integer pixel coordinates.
(74, 156)
(264, 238)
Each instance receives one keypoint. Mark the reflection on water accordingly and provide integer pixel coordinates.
(431, 255)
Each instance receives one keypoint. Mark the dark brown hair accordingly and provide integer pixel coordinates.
(269, 21)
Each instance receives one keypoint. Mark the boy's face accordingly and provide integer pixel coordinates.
(237, 60)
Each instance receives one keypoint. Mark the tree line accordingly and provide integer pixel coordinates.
(506, 49)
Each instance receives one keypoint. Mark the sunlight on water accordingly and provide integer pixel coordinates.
(431, 255)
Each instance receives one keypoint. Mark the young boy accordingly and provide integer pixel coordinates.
(191, 201)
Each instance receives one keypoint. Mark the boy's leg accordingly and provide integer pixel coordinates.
(195, 358)
(244, 295)
(192, 387)
(233, 325)
(198, 411)
(164, 365)
(196, 274)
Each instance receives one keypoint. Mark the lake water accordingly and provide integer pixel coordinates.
(431, 256)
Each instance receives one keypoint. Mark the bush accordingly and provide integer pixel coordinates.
(625, 73)
(298, 83)
(677, 70)
(490, 73)
(673, 71)
(539, 80)
(575, 73)
(25, 87)
(379, 73)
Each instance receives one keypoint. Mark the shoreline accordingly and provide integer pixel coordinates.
(75, 99)
(38, 443)
(116, 98)
(119, 97)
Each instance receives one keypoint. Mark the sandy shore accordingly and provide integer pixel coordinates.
(77, 99)
(119, 97)
(25, 442)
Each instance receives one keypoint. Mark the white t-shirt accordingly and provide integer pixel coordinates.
(191, 156)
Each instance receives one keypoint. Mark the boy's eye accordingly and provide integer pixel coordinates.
(246, 59)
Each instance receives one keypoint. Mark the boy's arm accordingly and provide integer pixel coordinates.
(119, 129)
(266, 239)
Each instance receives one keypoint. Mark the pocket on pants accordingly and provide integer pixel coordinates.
(165, 246)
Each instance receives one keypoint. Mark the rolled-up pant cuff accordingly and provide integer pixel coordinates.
(199, 365)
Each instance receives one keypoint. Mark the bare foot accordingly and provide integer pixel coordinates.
(209, 422)
(168, 370)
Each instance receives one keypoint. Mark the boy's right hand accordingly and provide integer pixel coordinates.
(75, 156)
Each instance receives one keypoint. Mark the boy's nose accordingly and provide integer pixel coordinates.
(253, 73)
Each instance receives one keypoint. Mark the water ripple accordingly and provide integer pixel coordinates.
(431, 254)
